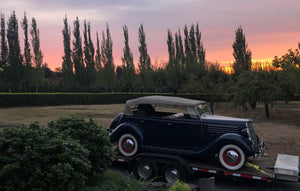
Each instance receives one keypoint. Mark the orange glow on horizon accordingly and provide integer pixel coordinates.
(265, 65)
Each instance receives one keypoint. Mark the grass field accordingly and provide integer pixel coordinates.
(281, 131)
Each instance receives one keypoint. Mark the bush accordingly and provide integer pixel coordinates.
(178, 186)
(38, 158)
(42, 99)
(112, 180)
(91, 136)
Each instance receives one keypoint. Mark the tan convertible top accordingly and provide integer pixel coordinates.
(168, 100)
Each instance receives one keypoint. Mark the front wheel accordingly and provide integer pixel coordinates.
(128, 145)
(232, 157)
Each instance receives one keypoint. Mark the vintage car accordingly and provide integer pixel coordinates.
(184, 127)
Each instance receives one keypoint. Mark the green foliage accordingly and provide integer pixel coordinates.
(59, 157)
(112, 180)
(178, 186)
(91, 136)
(42, 99)
(39, 158)
(290, 66)
(241, 54)
(257, 87)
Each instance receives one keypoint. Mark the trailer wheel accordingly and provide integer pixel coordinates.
(145, 169)
(232, 157)
(173, 171)
(128, 145)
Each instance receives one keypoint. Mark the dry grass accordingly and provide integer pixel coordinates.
(281, 131)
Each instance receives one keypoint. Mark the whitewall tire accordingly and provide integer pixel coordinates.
(128, 145)
(232, 157)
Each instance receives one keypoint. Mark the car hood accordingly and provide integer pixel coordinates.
(210, 117)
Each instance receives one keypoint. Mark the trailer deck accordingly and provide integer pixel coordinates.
(257, 169)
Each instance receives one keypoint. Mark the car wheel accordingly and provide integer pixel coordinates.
(128, 145)
(232, 157)
(173, 171)
(145, 169)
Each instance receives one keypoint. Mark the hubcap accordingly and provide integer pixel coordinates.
(232, 157)
(128, 145)
(144, 171)
(172, 175)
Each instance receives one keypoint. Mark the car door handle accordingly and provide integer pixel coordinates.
(142, 121)
(169, 124)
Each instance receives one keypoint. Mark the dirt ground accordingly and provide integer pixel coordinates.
(281, 132)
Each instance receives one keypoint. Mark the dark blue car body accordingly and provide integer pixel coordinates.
(196, 136)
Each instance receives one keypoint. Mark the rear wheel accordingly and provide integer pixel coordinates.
(173, 171)
(232, 157)
(145, 169)
(128, 145)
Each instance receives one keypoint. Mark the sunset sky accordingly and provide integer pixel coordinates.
(271, 26)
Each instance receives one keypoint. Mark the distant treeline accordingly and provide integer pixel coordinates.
(90, 67)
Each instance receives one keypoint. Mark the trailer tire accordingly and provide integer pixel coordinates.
(145, 169)
(231, 157)
(128, 145)
(174, 171)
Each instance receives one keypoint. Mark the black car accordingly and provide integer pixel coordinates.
(185, 127)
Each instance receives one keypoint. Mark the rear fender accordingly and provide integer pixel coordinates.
(126, 128)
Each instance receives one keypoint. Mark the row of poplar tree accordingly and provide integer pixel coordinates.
(20, 71)
(87, 67)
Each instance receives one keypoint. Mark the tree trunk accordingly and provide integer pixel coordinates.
(267, 110)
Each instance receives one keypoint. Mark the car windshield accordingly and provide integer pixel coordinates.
(203, 109)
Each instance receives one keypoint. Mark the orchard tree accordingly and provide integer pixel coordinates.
(257, 87)
(241, 53)
(289, 72)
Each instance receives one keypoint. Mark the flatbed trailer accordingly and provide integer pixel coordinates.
(172, 167)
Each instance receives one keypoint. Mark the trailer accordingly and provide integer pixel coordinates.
(172, 167)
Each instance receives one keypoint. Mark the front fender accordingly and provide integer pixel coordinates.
(126, 128)
(229, 138)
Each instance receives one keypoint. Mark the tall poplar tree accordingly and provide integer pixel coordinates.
(4, 48)
(241, 53)
(107, 60)
(144, 61)
(98, 55)
(67, 65)
(27, 55)
(173, 66)
(77, 54)
(128, 66)
(200, 51)
(15, 67)
(39, 71)
(89, 53)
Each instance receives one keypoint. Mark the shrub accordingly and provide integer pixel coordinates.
(112, 180)
(91, 136)
(38, 158)
(178, 186)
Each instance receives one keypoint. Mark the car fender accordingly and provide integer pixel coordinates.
(123, 128)
(229, 138)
